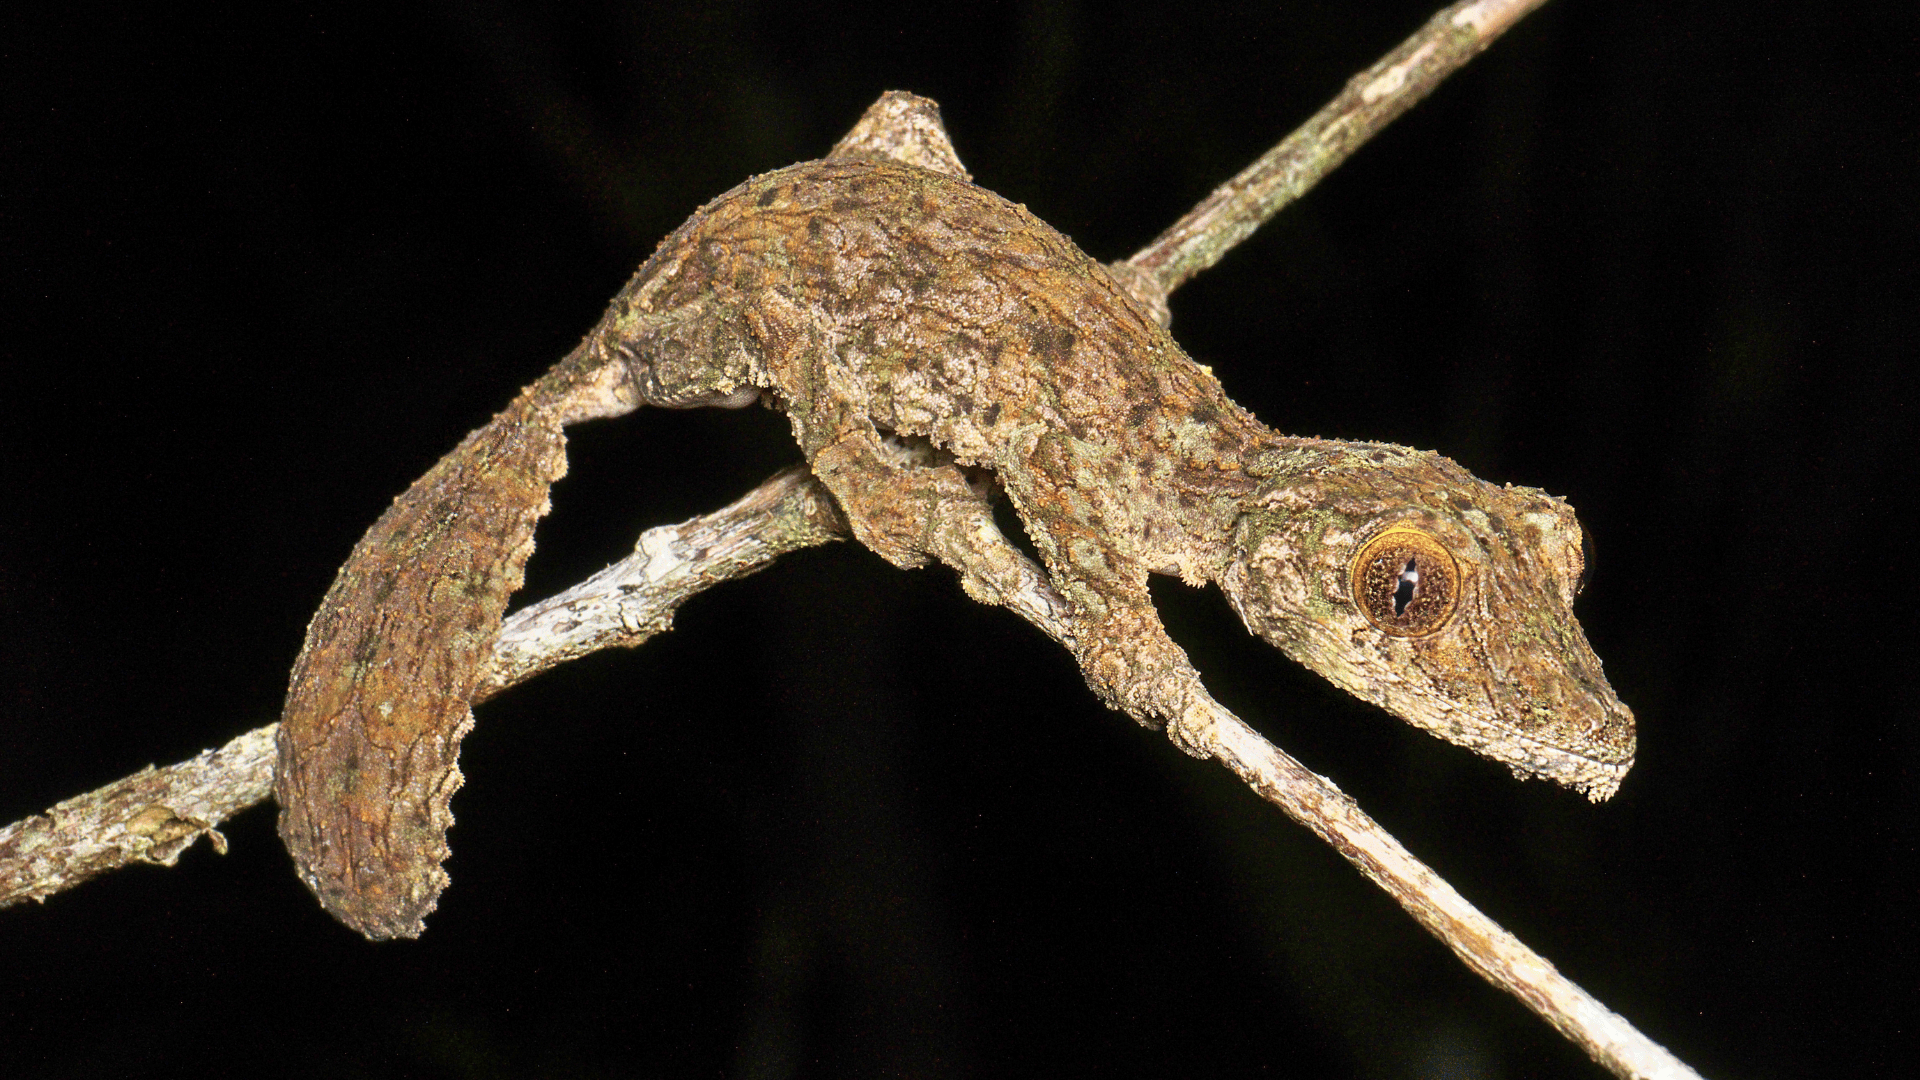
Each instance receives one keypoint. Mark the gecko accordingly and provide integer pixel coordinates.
(934, 347)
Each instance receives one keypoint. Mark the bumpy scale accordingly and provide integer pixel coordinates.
(929, 341)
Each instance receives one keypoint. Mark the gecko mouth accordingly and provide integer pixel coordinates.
(1597, 775)
(1596, 779)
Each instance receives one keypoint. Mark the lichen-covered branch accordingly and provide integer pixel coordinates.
(635, 598)
(155, 814)
(150, 817)
(1372, 100)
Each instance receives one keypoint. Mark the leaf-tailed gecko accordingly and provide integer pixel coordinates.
(933, 344)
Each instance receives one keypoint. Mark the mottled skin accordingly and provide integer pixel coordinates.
(930, 341)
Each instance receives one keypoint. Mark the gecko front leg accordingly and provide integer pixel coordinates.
(909, 506)
(908, 511)
(904, 500)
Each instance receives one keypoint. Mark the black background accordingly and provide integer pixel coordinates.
(262, 267)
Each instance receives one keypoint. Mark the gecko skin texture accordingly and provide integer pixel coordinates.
(932, 344)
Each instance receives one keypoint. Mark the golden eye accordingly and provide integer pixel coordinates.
(1405, 582)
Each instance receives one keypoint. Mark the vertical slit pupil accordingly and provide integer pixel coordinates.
(1403, 591)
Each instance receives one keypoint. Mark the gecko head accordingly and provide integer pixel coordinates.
(1445, 600)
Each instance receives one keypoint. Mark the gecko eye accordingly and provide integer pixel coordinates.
(1405, 582)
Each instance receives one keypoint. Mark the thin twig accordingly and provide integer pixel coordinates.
(635, 598)
(1496, 955)
(155, 814)
(1371, 101)
(150, 817)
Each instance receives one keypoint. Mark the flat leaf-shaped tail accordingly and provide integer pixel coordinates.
(370, 737)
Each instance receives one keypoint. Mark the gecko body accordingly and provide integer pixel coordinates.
(931, 342)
